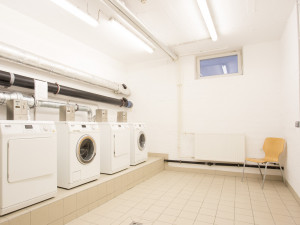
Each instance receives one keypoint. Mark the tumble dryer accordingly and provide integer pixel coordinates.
(115, 147)
(78, 158)
(28, 163)
(138, 150)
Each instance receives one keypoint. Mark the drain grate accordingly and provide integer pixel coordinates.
(135, 223)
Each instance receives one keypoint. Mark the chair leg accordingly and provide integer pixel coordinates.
(243, 171)
(260, 170)
(283, 178)
(265, 175)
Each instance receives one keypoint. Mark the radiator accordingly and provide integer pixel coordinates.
(220, 147)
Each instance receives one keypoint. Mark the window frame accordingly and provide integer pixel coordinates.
(236, 52)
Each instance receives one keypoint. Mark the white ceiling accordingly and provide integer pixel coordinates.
(176, 23)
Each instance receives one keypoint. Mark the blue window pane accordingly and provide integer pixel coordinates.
(219, 66)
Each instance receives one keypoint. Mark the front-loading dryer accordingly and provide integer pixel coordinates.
(138, 150)
(78, 158)
(115, 147)
(28, 165)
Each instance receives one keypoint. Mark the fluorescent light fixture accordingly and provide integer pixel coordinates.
(76, 12)
(207, 18)
(224, 68)
(134, 37)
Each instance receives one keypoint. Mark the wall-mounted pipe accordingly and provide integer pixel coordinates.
(56, 105)
(9, 79)
(17, 55)
(4, 97)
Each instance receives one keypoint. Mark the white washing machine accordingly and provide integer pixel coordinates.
(138, 150)
(78, 158)
(115, 147)
(28, 165)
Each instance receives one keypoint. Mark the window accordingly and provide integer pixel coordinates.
(222, 64)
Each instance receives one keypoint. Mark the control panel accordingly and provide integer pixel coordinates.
(16, 110)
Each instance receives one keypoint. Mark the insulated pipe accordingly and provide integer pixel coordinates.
(85, 109)
(4, 97)
(26, 58)
(56, 105)
(8, 79)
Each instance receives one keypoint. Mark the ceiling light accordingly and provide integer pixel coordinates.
(123, 12)
(76, 12)
(125, 31)
(207, 18)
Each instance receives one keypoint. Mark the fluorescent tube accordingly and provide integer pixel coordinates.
(125, 31)
(76, 12)
(207, 18)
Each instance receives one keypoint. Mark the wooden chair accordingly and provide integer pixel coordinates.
(272, 147)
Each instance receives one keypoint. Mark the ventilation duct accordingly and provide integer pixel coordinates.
(9, 79)
(4, 97)
(23, 57)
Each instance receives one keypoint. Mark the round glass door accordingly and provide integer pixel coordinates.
(141, 141)
(86, 149)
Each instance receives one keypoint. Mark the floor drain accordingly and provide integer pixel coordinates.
(135, 223)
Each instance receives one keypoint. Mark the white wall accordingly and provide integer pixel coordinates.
(290, 83)
(155, 103)
(23, 32)
(249, 104)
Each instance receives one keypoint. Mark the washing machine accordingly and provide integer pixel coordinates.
(28, 165)
(78, 158)
(138, 150)
(115, 147)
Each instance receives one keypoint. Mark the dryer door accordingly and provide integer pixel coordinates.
(120, 138)
(141, 141)
(86, 149)
(30, 158)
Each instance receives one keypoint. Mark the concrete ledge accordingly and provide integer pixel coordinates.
(162, 155)
(70, 204)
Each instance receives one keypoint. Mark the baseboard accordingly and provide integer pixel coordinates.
(222, 164)
(216, 171)
(296, 196)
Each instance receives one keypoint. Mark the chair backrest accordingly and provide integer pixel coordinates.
(273, 147)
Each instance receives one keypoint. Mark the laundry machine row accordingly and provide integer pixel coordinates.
(38, 156)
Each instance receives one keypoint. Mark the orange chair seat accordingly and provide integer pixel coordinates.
(256, 160)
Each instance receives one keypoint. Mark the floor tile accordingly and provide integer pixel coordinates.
(221, 221)
(205, 218)
(166, 218)
(202, 199)
(183, 221)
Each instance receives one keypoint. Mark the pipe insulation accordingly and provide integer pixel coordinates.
(9, 79)
(4, 97)
(17, 55)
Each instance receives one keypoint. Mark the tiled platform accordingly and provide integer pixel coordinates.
(186, 198)
(70, 204)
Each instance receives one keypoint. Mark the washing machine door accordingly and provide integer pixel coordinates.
(141, 141)
(86, 149)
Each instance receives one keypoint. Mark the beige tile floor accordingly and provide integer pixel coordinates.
(191, 198)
